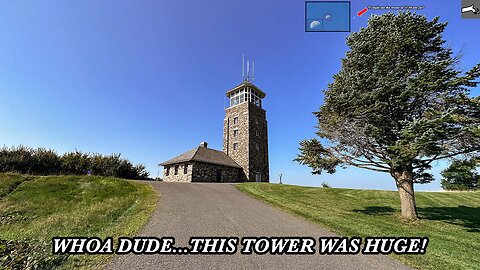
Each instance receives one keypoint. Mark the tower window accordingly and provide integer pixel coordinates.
(185, 169)
(168, 171)
(176, 170)
(235, 146)
(235, 120)
(237, 97)
(235, 132)
(245, 95)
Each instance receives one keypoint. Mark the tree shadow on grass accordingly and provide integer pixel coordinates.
(465, 216)
(376, 210)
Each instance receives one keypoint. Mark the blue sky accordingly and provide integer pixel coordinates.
(147, 79)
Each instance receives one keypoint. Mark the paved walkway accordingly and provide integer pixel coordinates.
(198, 209)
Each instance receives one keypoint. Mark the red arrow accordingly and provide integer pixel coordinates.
(361, 12)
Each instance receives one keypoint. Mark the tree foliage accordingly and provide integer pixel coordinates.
(398, 103)
(461, 175)
(41, 161)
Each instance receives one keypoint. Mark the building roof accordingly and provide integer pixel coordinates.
(245, 84)
(203, 154)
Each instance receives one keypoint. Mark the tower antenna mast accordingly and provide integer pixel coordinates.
(253, 70)
(243, 67)
(248, 70)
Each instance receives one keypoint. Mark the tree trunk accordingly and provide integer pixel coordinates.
(404, 182)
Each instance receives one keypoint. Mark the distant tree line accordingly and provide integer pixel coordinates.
(41, 161)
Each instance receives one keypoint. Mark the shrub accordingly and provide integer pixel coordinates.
(75, 163)
(41, 161)
(44, 161)
(15, 159)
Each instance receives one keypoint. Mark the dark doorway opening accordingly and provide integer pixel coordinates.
(219, 175)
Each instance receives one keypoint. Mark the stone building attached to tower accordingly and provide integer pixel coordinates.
(202, 164)
(245, 145)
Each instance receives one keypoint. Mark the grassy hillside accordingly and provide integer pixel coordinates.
(35, 209)
(450, 220)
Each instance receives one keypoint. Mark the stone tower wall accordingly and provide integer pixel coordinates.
(258, 145)
(252, 139)
(229, 139)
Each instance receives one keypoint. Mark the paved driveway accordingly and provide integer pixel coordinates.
(198, 209)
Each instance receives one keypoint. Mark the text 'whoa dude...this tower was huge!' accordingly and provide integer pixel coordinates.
(245, 137)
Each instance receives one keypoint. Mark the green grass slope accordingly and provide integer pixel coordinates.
(35, 209)
(450, 219)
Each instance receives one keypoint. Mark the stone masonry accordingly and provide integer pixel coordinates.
(204, 172)
(169, 174)
(201, 172)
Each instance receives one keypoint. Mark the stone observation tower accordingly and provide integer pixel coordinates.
(245, 137)
(245, 143)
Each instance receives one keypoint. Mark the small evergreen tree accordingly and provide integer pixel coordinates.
(461, 175)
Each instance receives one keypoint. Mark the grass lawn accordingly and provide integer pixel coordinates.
(36, 208)
(450, 219)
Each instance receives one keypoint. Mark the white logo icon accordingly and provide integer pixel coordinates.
(470, 9)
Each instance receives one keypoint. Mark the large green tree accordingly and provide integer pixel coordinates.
(399, 103)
